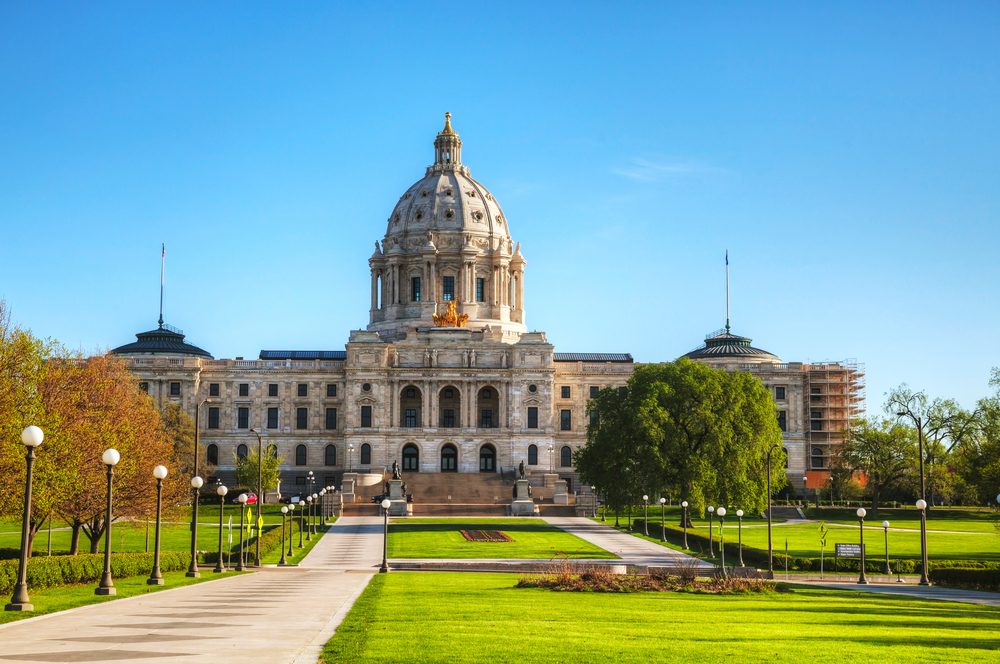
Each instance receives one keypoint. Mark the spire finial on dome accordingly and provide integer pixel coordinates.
(447, 131)
(447, 146)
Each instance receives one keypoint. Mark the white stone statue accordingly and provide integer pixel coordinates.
(465, 358)
(503, 360)
(434, 357)
(472, 358)
(427, 358)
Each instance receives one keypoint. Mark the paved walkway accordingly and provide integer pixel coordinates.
(632, 550)
(921, 592)
(276, 616)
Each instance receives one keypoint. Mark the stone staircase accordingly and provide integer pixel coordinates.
(457, 494)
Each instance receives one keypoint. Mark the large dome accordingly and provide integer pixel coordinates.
(447, 199)
(447, 240)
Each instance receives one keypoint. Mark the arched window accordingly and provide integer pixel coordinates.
(411, 458)
(272, 451)
(449, 459)
(487, 459)
(212, 454)
(566, 457)
(366, 453)
(532, 455)
(331, 455)
(300, 455)
(817, 457)
(410, 406)
(242, 451)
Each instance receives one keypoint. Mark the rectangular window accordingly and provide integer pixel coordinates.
(782, 421)
(816, 415)
(331, 418)
(415, 288)
(565, 421)
(593, 418)
(817, 425)
(448, 288)
(213, 389)
(175, 389)
(213, 418)
(565, 392)
(366, 416)
(144, 386)
(300, 481)
(532, 417)
(779, 393)
(814, 398)
(486, 421)
(480, 289)
(331, 390)
(303, 390)
(411, 418)
(244, 389)
(449, 418)
(593, 391)
(243, 418)
(301, 418)
(272, 418)
(272, 390)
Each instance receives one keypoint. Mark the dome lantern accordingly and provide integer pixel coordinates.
(447, 146)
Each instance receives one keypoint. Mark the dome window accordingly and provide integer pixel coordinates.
(532, 388)
(472, 194)
(367, 387)
(449, 214)
(419, 215)
(448, 192)
(424, 193)
(478, 215)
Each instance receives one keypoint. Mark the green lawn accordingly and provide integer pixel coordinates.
(484, 618)
(297, 553)
(440, 538)
(972, 521)
(68, 597)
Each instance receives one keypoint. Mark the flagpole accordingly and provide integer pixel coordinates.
(163, 256)
(727, 291)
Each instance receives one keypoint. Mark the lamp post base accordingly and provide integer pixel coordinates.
(384, 569)
(193, 575)
(155, 582)
(20, 606)
(107, 592)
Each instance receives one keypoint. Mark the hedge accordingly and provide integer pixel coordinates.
(49, 572)
(975, 579)
(758, 557)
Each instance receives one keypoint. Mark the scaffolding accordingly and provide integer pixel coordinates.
(834, 398)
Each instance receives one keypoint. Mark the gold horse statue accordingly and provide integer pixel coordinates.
(450, 318)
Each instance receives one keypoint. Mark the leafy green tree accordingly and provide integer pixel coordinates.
(841, 484)
(246, 470)
(883, 449)
(977, 453)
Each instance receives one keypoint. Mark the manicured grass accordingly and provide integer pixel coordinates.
(484, 618)
(440, 538)
(973, 521)
(70, 597)
(297, 553)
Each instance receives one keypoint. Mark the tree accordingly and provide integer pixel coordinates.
(683, 424)
(883, 450)
(99, 405)
(841, 484)
(977, 452)
(246, 470)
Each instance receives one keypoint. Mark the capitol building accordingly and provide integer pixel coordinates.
(446, 377)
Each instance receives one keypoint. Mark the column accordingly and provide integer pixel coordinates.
(432, 284)
(374, 289)
(520, 290)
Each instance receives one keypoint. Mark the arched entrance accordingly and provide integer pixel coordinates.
(449, 459)
(411, 458)
(487, 459)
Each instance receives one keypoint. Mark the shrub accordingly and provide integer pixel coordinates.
(269, 541)
(49, 572)
(973, 578)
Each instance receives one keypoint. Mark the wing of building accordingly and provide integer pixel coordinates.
(446, 376)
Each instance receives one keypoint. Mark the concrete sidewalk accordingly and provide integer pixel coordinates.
(279, 615)
(352, 543)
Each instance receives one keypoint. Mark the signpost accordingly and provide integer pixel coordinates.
(845, 551)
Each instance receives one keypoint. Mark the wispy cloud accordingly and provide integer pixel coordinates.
(653, 170)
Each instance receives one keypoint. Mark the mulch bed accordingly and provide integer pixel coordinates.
(485, 536)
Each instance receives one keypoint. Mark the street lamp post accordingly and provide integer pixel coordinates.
(645, 514)
(291, 522)
(222, 491)
(384, 569)
(309, 506)
(32, 437)
(321, 516)
(862, 579)
(107, 586)
(196, 483)
(924, 578)
(593, 492)
(313, 504)
(711, 542)
(770, 547)
(918, 420)
(155, 577)
(302, 514)
(350, 458)
(684, 519)
(663, 526)
(722, 537)
(805, 491)
(240, 566)
(260, 493)
(739, 531)
(888, 570)
(551, 449)
(284, 511)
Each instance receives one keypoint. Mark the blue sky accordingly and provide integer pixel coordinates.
(846, 155)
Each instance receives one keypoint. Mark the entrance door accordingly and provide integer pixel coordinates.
(411, 458)
(487, 459)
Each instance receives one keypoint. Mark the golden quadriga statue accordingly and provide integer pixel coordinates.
(450, 318)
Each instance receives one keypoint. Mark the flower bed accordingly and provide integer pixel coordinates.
(485, 536)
